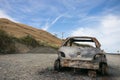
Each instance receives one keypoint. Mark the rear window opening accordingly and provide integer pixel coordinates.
(80, 42)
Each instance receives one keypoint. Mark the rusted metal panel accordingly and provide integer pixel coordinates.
(79, 64)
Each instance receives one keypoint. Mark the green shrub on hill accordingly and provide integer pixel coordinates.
(7, 44)
(29, 41)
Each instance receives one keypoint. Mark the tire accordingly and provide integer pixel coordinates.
(104, 69)
(57, 65)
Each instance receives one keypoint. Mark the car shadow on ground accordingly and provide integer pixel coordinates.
(112, 74)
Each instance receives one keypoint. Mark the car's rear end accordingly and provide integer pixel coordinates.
(79, 57)
(83, 63)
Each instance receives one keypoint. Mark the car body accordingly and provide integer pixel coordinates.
(81, 52)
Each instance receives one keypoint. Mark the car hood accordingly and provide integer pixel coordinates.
(74, 52)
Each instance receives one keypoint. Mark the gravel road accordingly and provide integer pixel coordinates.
(40, 67)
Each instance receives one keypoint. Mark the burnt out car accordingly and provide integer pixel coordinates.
(83, 53)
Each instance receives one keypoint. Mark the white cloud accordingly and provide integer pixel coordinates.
(80, 8)
(48, 25)
(56, 19)
(4, 15)
(107, 31)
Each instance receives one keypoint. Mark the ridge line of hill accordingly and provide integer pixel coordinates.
(20, 30)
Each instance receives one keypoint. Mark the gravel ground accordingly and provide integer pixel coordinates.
(40, 67)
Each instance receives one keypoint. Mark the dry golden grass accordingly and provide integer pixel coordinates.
(19, 30)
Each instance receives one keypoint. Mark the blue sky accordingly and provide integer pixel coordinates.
(98, 18)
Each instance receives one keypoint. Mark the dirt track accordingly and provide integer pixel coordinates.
(40, 67)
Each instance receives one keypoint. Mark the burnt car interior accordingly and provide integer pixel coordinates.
(80, 42)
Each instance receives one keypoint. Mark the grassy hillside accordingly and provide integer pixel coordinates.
(20, 30)
(11, 44)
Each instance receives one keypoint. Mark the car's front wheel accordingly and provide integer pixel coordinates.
(57, 65)
(104, 69)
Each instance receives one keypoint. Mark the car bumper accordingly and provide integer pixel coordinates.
(79, 64)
